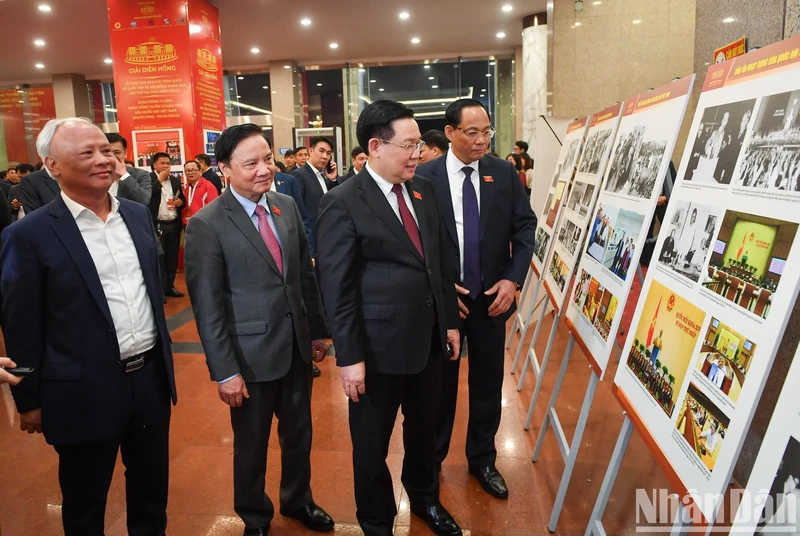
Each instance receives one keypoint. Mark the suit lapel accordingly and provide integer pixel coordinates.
(67, 231)
(419, 210)
(239, 218)
(442, 184)
(487, 193)
(144, 242)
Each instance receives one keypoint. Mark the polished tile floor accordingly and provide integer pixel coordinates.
(201, 492)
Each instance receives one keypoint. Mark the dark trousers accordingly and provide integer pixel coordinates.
(85, 470)
(371, 421)
(289, 398)
(485, 381)
(171, 242)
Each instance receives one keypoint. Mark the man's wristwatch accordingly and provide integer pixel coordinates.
(517, 286)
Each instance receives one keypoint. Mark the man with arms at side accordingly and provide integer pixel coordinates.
(166, 205)
(260, 319)
(359, 158)
(485, 210)
(209, 174)
(436, 144)
(95, 336)
(392, 310)
(129, 182)
(314, 179)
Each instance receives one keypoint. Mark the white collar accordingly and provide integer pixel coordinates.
(454, 165)
(317, 172)
(385, 186)
(76, 209)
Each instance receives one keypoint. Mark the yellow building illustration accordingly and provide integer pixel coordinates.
(151, 53)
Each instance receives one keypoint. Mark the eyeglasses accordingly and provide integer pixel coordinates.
(192, 171)
(409, 148)
(472, 134)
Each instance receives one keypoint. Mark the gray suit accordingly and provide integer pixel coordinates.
(137, 187)
(258, 323)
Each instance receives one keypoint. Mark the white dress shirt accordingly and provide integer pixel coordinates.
(391, 197)
(114, 255)
(165, 212)
(321, 179)
(114, 188)
(456, 176)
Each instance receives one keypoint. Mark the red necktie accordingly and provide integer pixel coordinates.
(408, 219)
(269, 237)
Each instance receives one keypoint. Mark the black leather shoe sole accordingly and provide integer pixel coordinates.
(308, 523)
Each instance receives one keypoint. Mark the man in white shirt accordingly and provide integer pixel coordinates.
(166, 205)
(83, 306)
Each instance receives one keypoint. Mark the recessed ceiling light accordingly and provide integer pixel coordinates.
(404, 15)
(491, 63)
(637, 21)
(577, 24)
(21, 101)
(728, 19)
(415, 40)
(334, 45)
(488, 75)
(108, 60)
(39, 43)
(444, 104)
(287, 66)
(238, 97)
(45, 8)
(108, 106)
(372, 81)
(362, 70)
(426, 66)
(255, 50)
(264, 87)
(380, 89)
(500, 35)
(430, 78)
(306, 22)
(507, 8)
(597, 3)
(39, 66)
(319, 85)
(240, 77)
(434, 86)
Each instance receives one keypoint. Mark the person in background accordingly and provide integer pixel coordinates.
(129, 182)
(166, 205)
(15, 192)
(520, 147)
(286, 184)
(527, 167)
(359, 158)
(436, 144)
(39, 165)
(198, 193)
(301, 155)
(288, 160)
(38, 189)
(209, 174)
(7, 180)
(517, 161)
(281, 166)
(6, 377)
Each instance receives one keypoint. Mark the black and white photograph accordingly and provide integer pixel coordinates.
(785, 494)
(556, 176)
(542, 241)
(635, 164)
(565, 170)
(568, 235)
(596, 148)
(718, 142)
(580, 197)
(690, 236)
(772, 158)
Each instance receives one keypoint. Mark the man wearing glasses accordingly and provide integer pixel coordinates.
(199, 191)
(490, 239)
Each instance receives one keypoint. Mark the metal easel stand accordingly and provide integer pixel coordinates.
(538, 369)
(524, 325)
(568, 452)
(595, 527)
(518, 321)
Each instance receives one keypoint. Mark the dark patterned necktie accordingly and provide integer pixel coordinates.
(472, 238)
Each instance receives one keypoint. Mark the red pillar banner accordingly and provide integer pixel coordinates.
(12, 113)
(166, 93)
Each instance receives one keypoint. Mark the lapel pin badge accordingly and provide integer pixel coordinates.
(276, 210)
(488, 178)
(418, 195)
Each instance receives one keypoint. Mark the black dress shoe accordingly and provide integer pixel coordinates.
(491, 480)
(437, 518)
(175, 293)
(257, 532)
(312, 516)
(315, 371)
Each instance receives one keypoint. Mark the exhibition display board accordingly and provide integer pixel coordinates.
(559, 191)
(579, 206)
(724, 275)
(620, 220)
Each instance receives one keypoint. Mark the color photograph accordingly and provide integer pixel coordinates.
(599, 234)
(555, 204)
(725, 358)
(625, 227)
(691, 232)
(596, 148)
(146, 143)
(703, 425)
(785, 494)
(596, 303)
(558, 271)
(748, 260)
(568, 235)
(634, 167)
(718, 142)
(542, 241)
(663, 344)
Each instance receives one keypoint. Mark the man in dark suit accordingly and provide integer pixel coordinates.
(96, 337)
(260, 318)
(133, 183)
(485, 210)
(359, 158)
(38, 188)
(166, 204)
(209, 174)
(392, 310)
(315, 178)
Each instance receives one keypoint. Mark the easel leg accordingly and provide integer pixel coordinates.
(528, 313)
(551, 405)
(542, 368)
(531, 349)
(574, 448)
(595, 527)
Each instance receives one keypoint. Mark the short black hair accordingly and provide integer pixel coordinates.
(281, 166)
(376, 121)
(231, 137)
(517, 161)
(203, 158)
(195, 162)
(25, 168)
(114, 137)
(320, 139)
(436, 138)
(452, 116)
(357, 150)
(300, 148)
(522, 145)
(156, 158)
(290, 152)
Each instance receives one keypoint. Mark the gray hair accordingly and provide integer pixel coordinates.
(45, 138)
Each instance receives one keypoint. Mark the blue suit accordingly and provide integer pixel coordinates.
(285, 184)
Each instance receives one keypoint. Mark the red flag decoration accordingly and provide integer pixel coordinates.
(653, 325)
(741, 248)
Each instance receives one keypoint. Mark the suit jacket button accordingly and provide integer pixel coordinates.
(455, 255)
(289, 314)
(429, 271)
(429, 303)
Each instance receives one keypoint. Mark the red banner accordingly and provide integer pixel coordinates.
(12, 112)
(731, 50)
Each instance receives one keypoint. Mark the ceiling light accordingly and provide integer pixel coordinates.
(255, 50)
(240, 77)
(238, 97)
(319, 85)
(507, 8)
(362, 70)
(108, 60)
(434, 86)
(637, 21)
(108, 106)
(488, 75)
(380, 89)
(334, 45)
(39, 43)
(500, 35)
(372, 81)
(727, 20)
(491, 63)
(430, 78)
(415, 40)
(306, 22)
(287, 66)
(404, 15)
(577, 24)
(444, 104)
(426, 66)
(264, 87)
(596, 3)
(39, 66)
(45, 8)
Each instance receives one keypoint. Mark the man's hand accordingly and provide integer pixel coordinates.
(177, 202)
(454, 339)
(332, 173)
(462, 309)
(505, 290)
(320, 349)
(163, 176)
(313, 262)
(15, 204)
(353, 380)
(5, 377)
(662, 200)
(31, 421)
(233, 392)
(120, 168)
